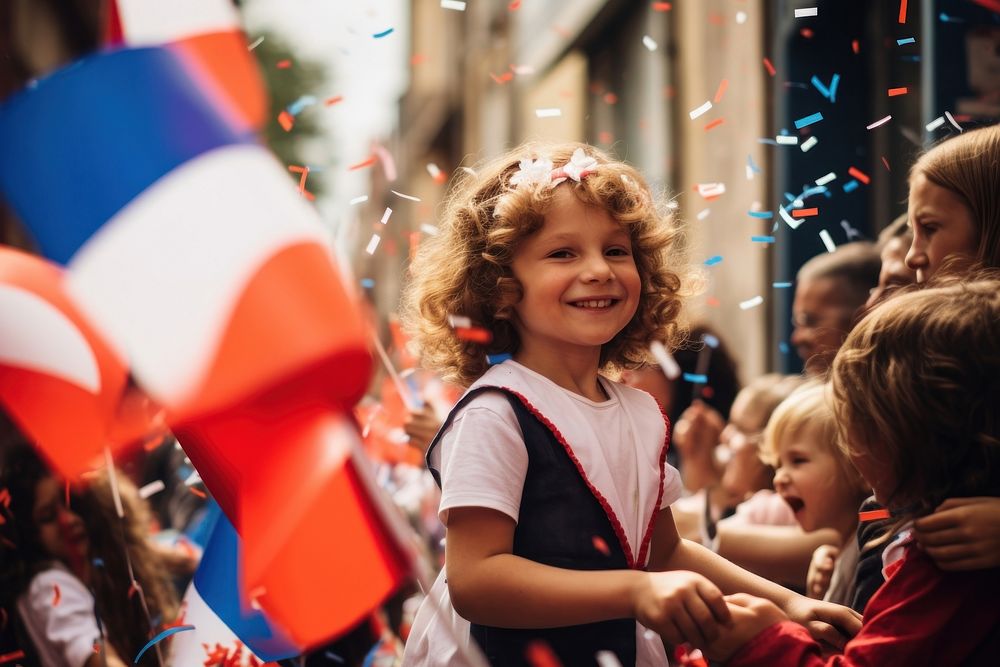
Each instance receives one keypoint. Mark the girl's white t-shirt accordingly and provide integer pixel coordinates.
(476, 475)
(58, 612)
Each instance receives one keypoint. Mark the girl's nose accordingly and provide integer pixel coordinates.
(597, 269)
(916, 256)
(781, 478)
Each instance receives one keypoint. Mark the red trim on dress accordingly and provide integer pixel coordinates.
(615, 523)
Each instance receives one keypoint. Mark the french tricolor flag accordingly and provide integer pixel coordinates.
(186, 244)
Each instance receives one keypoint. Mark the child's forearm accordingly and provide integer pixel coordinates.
(779, 553)
(512, 592)
(730, 578)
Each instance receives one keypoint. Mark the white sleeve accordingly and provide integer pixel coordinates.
(63, 622)
(483, 458)
(672, 486)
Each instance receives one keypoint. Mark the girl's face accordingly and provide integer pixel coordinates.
(745, 473)
(60, 530)
(579, 280)
(942, 226)
(810, 481)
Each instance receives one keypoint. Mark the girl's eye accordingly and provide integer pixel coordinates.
(560, 254)
(618, 252)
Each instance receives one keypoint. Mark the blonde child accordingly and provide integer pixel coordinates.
(555, 492)
(816, 479)
(915, 390)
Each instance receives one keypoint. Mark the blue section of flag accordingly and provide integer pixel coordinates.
(218, 582)
(88, 139)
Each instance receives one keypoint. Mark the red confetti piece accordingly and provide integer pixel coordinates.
(417, 59)
(715, 123)
(361, 165)
(662, 6)
(540, 654)
(474, 334)
(11, 657)
(514, 6)
(712, 302)
(769, 67)
(56, 595)
(886, 163)
(610, 98)
(330, 101)
(601, 545)
(873, 515)
(805, 212)
(503, 78)
(286, 121)
(198, 492)
(605, 137)
(902, 11)
(806, 32)
(855, 46)
(860, 175)
(893, 92)
(723, 85)
(283, 64)
(296, 168)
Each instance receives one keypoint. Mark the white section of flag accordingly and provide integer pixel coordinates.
(154, 22)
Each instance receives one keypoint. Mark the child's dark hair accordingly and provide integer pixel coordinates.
(465, 268)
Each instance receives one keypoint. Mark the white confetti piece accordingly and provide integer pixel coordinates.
(951, 119)
(649, 42)
(429, 229)
(751, 303)
(548, 113)
(787, 140)
(359, 200)
(808, 143)
(881, 121)
(153, 487)
(711, 189)
(400, 194)
(823, 180)
(700, 110)
(827, 240)
(255, 44)
(459, 322)
(741, 17)
(385, 215)
(372, 244)
(935, 124)
(805, 12)
(704, 213)
(792, 222)
(663, 357)
(457, 5)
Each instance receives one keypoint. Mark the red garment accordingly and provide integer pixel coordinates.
(920, 616)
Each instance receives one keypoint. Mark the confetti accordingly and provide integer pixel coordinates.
(873, 515)
(286, 121)
(400, 194)
(283, 64)
(715, 123)
(769, 67)
(649, 42)
(388, 163)
(151, 489)
(548, 113)
(601, 545)
(860, 175)
(808, 120)
(330, 101)
(385, 215)
(751, 303)
(805, 12)
(367, 283)
(361, 165)
(539, 654)
(712, 261)
(384, 33)
(358, 200)
(198, 492)
(782, 285)
(762, 215)
(56, 595)
(704, 213)
(666, 361)
(893, 92)
(935, 124)
(789, 220)
(160, 637)
(886, 163)
(827, 240)
(762, 239)
(850, 186)
(709, 190)
(700, 110)
(902, 11)
(257, 42)
(662, 6)
(881, 121)
(710, 340)
(296, 107)
(514, 5)
(721, 90)
(372, 244)
(855, 46)
(429, 229)
(494, 359)
(474, 334)
(696, 378)
(787, 140)
(823, 180)
(435, 173)
(805, 212)
(457, 5)
(459, 321)
(607, 659)
(11, 657)
(905, 40)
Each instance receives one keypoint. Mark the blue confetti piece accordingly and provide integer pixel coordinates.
(333, 656)
(808, 120)
(160, 637)
(710, 340)
(762, 239)
(949, 19)
(98, 562)
(781, 285)
(367, 283)
(851, 185)
(296, 107)
(711, 261)
(783, 347)
(823, 90)
(911, 59)
(494, 359)
(763, 215)
(695, 378)
(753, 167)
(833, 87)
(905, 40)
(380, 35)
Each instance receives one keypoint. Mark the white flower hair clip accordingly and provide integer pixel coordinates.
(579, 165)
(541, 172)
(532, 172)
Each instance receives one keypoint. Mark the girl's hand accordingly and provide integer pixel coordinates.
(962, 534)
(682, 606)
(696, 434)
(826, 622)
(750, 615)
(821, 570)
